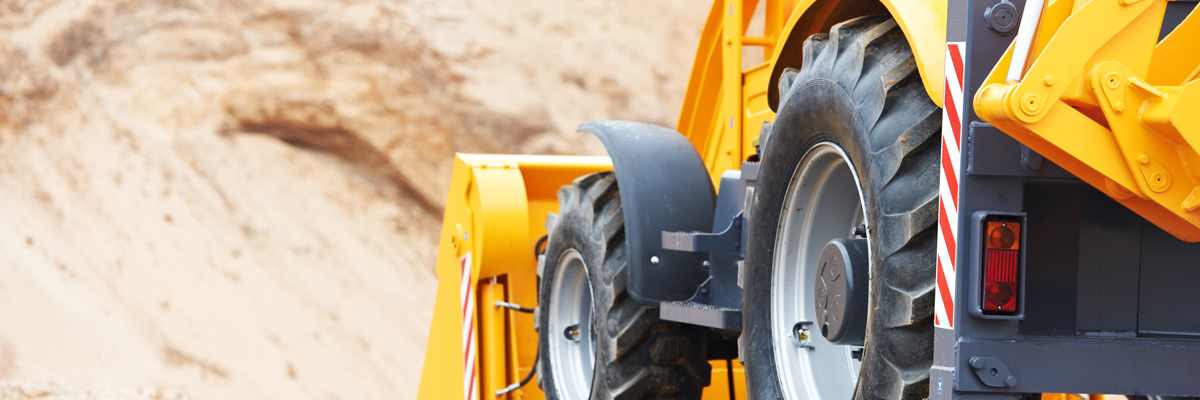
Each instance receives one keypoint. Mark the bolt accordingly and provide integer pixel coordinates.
(1031, 104)
(654, 260)
(1113, 79)
(1158, 177)
(1144, 159)
(860, 231)
(1118, 107)
(1010, 381)
(1048, 80)
(1001, 17)
(977, 363)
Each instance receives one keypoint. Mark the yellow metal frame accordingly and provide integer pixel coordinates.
(1105, 102)
(923, 23)
(725, 106)
(494, 212)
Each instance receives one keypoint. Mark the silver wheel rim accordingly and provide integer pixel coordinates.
(572, 361)
(824, 202)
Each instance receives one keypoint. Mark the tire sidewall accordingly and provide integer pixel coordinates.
(817, 111)
(566, 237)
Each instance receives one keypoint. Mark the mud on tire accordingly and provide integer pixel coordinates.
(859, 89)
(637, 355)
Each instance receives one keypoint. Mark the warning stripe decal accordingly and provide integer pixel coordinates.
(943, 315)
(468, 328)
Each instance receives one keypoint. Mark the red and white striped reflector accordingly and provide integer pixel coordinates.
(943, 314)
(468, 328)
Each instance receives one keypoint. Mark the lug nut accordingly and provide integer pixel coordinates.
(800, 335)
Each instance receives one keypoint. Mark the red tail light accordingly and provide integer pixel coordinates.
(1001, 265)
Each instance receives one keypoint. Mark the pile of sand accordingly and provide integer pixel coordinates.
(231, 199)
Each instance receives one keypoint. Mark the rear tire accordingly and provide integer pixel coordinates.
(858, 92)
(637, 356)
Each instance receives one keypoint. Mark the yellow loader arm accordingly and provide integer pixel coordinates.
(1102, 100)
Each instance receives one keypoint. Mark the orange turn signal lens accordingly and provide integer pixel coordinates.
(1004, 235)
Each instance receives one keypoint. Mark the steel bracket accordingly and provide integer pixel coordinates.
(728, 240)
(993, 372)
(717, 302)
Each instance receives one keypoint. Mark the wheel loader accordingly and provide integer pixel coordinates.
(906, 199)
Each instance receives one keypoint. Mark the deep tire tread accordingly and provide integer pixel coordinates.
(898, 129)
(638, 355)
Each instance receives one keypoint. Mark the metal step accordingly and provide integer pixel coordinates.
(701, 314)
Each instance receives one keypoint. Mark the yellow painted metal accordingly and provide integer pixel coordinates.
(1176, 60)
(493, 360)
(725, 106)
(719, 387)
(728, 148)
(1104, 100)
(755, 110)
(494, 212)
(923, 23)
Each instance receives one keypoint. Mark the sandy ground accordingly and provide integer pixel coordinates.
(238, 199)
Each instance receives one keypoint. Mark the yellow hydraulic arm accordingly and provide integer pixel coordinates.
(1100, 98)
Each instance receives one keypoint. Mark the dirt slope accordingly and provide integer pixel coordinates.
(238, 199)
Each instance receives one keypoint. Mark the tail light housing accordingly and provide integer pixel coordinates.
(998, 265)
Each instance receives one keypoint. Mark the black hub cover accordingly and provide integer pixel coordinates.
(842, 287)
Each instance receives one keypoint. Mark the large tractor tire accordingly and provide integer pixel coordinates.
(855, 135)
(595, 341)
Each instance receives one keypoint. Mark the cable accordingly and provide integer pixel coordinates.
(513, 307)
(536, 247)
(528, 377)
(537, 251)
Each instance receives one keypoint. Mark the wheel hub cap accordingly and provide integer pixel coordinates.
(841, 291)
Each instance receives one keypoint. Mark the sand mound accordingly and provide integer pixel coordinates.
(239, 199)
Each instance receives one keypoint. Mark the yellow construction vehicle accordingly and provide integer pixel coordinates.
(906, 199)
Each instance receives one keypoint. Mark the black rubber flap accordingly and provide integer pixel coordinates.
(664, 187)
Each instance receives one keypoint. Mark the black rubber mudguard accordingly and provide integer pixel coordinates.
(664, 187)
